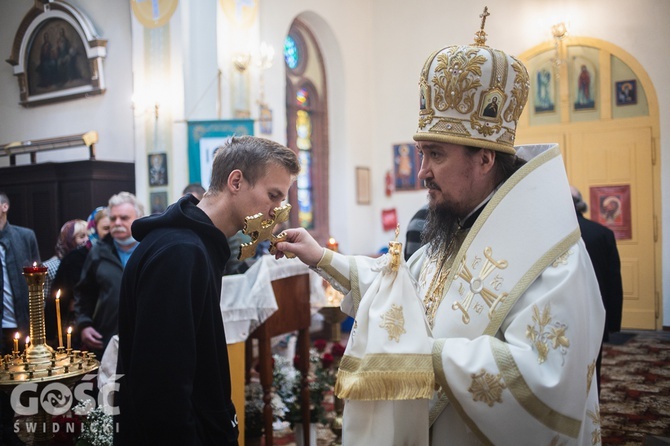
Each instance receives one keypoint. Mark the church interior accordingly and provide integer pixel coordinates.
(96, 98)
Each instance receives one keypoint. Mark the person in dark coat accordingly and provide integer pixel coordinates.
(601, 246)
(173, 356)
(96, 295)
(414, 230)
(18, 248)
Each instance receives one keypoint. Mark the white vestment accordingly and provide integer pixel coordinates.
(519, 323)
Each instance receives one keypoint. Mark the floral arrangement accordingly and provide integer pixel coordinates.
(253, 409)
(97, 426)
(85, 425)
(321, 379)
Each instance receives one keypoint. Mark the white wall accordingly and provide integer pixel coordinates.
(110, 114)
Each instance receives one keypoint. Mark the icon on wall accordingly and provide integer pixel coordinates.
(158, 169)
(610, 206)
(626, 92)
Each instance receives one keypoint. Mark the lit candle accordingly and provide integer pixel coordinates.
(27, 342)
(69, 338)
(332, 244)
(16, 342)
(58, 321)
(34, 269)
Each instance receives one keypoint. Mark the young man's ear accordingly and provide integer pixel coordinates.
(235, 180)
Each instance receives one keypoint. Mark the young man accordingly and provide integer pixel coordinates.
(505, 281)
(172, 347)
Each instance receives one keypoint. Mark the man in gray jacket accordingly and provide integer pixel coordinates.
(97, 293)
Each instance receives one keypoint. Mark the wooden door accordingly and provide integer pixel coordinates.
(623, 157)
(603, 155)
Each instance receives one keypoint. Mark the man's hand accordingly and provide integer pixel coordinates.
(91, 338)
(302, 244)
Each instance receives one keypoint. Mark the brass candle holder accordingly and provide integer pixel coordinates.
(39, 363)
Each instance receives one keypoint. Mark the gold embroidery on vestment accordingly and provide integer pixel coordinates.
(591, 369)
(476, 285)
(545, 336)
(393, 321)
(595, 419)
(442, 268)
(487, 387)
(562, 259)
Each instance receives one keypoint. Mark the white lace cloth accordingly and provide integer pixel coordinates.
(247, 300)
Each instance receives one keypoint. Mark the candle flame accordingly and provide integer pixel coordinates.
(69, 330)
(34, 264)
(58, 295)
(17, 335)
(27, 340)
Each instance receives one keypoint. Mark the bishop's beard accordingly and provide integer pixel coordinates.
(440, 228)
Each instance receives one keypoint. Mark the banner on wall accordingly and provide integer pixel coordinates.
(204, 137)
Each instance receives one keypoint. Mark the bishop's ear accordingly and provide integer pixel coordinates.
(487, 159)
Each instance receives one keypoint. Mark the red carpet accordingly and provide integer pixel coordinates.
(635, 394)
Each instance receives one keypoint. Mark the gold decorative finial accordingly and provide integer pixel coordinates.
(395, 250)
(480, 36)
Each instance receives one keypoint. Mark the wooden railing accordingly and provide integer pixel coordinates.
(88, 139)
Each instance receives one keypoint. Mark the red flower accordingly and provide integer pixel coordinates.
(320, 345)
(327, 360)
(337, 350)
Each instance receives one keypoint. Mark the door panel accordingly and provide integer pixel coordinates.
(619, 156)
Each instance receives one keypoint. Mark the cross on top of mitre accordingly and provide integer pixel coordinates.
(259, 230)
(480, 36)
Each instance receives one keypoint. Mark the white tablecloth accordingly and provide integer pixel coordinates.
(247, 300)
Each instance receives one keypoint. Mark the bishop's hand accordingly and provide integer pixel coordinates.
(299, 242)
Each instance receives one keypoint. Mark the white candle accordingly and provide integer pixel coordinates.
(69, 338)
(58, 321)
(16, 342)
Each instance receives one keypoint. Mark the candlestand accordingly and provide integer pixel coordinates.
(39, 363)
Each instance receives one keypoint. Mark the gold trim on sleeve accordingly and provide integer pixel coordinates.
(326, 264)
(524, 395)
(385, 376)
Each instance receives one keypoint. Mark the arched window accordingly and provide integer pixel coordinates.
(307, 129)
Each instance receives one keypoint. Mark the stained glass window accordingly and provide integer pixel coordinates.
(291, 53)
(307, 118)
(302, 97)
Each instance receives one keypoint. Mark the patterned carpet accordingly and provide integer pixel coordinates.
(635, 393)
